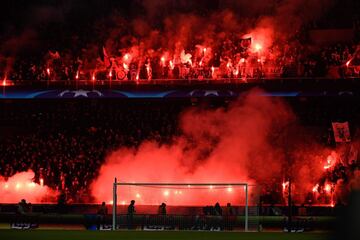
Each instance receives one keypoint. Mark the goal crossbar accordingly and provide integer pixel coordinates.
(116, 183)
(181, 184)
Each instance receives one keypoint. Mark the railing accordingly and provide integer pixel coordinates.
(181, 222)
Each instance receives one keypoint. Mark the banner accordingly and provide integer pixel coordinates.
(341, 132)
(245, 42)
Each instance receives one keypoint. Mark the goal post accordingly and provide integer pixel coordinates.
(153, 187)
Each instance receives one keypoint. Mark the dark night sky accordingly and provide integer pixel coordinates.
(20, 13)
(51, 20)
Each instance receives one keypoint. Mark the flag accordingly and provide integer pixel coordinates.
(245, 42)
(341, 132)
(105, 57)
(54, 55)
(353, 154)
(105, 53)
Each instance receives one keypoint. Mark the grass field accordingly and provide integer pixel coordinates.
(127, 235)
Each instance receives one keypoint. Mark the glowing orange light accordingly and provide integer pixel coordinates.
(329, 162)
(41, 182)
(123, 202)
(77, 75)
(315, 188)
(211, 187)
(4, 83)
(110, 74)
(126, 67)
(284, 185)
(205, 50)
(93, 77)
(126, 57)
(18, 185)
(166, 193)
(258, 47)
(229, 189)
(48, 71)
(327, 188)
(6, 186)
(163, 60)
(242, 60)
(348, 63)
(172, 65)
(138, 195)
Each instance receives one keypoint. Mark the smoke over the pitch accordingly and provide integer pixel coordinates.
(250, 141)
(21, 186)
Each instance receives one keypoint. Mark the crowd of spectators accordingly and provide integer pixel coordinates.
(290, 60)
(65, 143)
(69, 157)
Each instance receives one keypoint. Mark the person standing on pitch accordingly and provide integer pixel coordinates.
(130, 214)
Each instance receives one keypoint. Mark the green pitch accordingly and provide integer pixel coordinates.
(125, 235)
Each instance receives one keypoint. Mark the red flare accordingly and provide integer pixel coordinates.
(328, 188)
(315, 188)
(172, 65)
(348, 63)
(258, 47)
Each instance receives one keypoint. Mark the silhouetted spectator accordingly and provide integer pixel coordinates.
(162, 209)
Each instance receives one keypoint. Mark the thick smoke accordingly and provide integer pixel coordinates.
(168, 28)
(150, 28)
(250, 141)
(277, 19)
(21, 186)
(22, 39)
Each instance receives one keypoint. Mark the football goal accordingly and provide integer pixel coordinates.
(183, 206)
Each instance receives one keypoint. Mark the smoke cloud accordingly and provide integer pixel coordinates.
(250, 141)
(21, 186)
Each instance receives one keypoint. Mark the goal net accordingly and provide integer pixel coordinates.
(184, 206)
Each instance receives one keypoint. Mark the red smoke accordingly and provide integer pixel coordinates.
(256, 140)
(249, 141)
(21, 186)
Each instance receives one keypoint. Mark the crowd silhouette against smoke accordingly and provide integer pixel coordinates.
(134, 140)
(172, 39)
(76, 150)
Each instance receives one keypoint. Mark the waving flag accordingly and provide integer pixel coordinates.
(245, 42)
(106, 58)
(341, 132)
